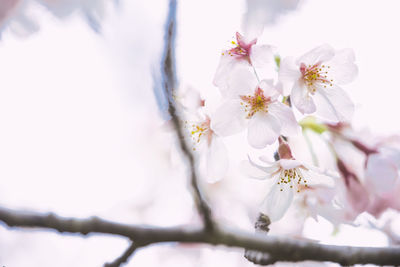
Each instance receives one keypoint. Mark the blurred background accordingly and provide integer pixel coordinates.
(81, 133)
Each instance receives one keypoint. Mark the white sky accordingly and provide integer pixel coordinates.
(79, 125)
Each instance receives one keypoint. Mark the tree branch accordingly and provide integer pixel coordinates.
(169, 83)
(124, 257)
(262, 227)
(280, 249)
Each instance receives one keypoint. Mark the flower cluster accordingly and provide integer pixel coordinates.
(276, 108)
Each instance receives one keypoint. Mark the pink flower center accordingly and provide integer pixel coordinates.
(314, 76)
(241, 49)
(256, 103)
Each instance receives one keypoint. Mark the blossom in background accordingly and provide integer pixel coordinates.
(265, 12)
(314, 79)
(208, 144)
(382, 176)
(354, 195)
(92, 10)
(20, 15)
(289, 176)
(205, 141)
(15, 15)
(370, 168)
(254, 105)
(245, 52)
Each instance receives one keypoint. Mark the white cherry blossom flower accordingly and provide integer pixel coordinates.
(245, 52)
(315, 78)
(256, 106)
(289, 176)
(209, 146)
(205, 141)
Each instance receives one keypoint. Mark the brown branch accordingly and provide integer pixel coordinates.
(124, 257)
(280, 249)
(169, 86)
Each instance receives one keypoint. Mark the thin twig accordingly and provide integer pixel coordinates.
(169, 83)
(280, 249)
(124, 257)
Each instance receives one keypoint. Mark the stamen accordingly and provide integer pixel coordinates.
(315, 76)
(292, 175)
(256, 103)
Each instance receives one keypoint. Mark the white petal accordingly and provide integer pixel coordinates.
(224, 68)
(319, 54)
(268, 170)
(266, 160)
(229, 118)
(226, 65)
(191, 99)
(315, 178)
(381, 173)
(241, 81)
(217, 160)
(261, 55)
(264, 129)
(289, 73)
(333, 104)
(268, 88)
(289, 163)
(253, 170)
(285, 115)
(301, 99)
(277, 202)
(342, 68)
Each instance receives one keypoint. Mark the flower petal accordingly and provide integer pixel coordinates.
(289, 73)
(226, 65)
(268, 89)
(264, 129)
(301, 99)
(277, 202)
(289, 163)
(319, 54)
(342, 67)
(333, 104)
(229, 118)
(217, 160)
(315, 178)
(285, 115)
(261, 55)
(254, 171)
(357, 196)
(242, 81)
(381, 173)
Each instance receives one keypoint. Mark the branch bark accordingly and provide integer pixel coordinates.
(168, 71)
(124, 257)
(280, 249)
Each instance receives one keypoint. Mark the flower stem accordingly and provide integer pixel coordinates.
(311, 148)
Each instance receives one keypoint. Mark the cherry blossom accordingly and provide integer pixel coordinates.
(245, 52)
(314, 79)
(254, 105)
(370, 168)
(289, 176)
(208, 144)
